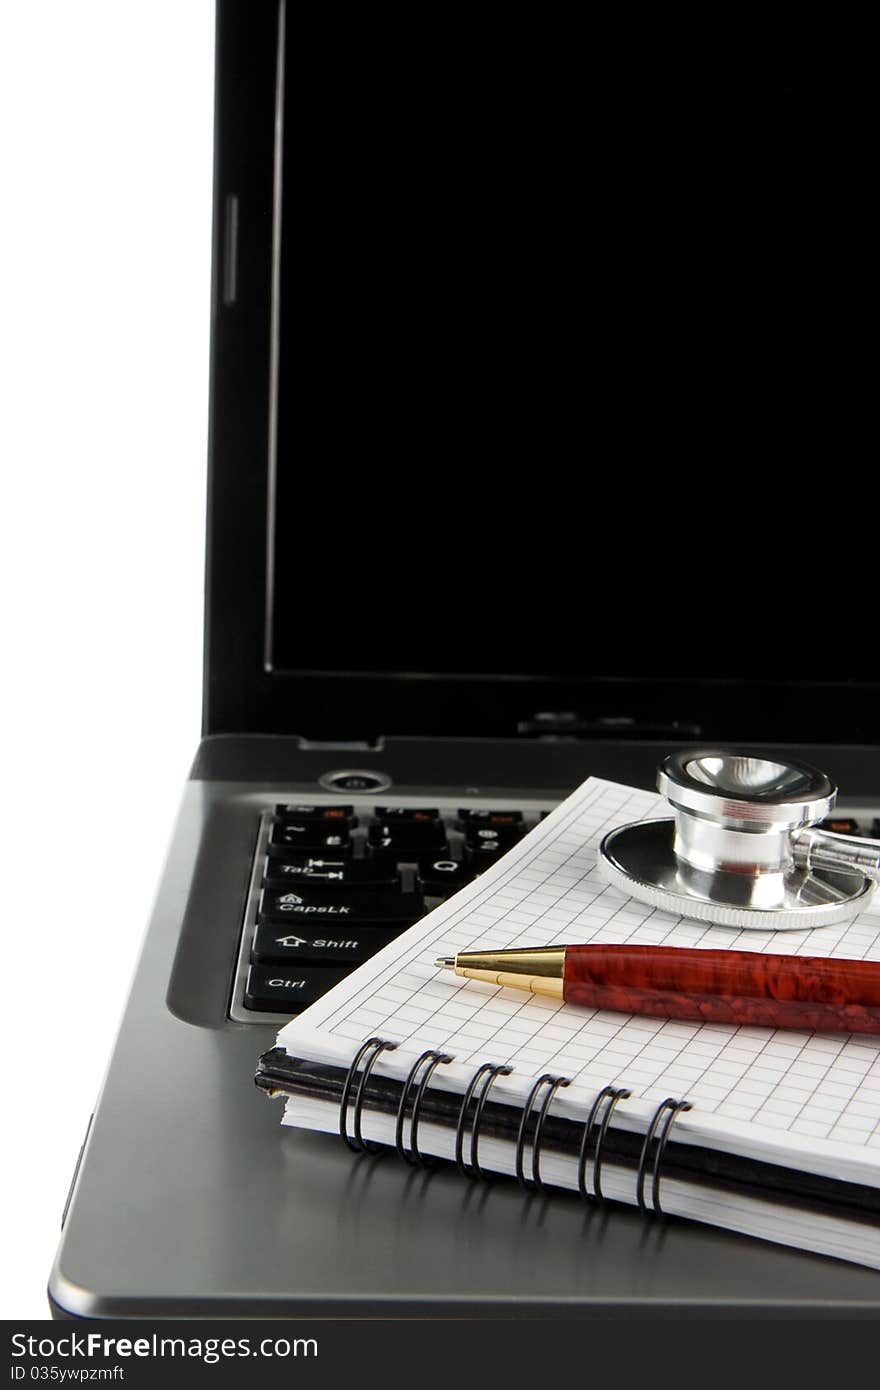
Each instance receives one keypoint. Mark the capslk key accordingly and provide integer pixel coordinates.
(364, 909)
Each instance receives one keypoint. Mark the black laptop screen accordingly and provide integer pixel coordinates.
(549, 362)
(531, 396)
(534, 388)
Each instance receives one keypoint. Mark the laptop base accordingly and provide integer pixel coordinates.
(191, 1201)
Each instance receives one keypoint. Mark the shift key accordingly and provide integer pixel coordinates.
(341, 908)
(275, 945)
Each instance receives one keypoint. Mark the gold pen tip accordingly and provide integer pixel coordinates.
(448, 962)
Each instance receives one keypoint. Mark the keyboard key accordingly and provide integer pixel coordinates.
(840, 825)
(406, 839)
(275, 946)
(331, 874)
(288, 990)
(441, 877)
(483, 856)
(398, 814)
(327, 815)
(469, 817)
(875, 828)
(342, 907)
(310, 836)
(492, 837)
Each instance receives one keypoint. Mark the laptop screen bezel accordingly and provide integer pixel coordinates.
(243, 692)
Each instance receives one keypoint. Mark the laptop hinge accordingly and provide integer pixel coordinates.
(569, 724)
(353, 745)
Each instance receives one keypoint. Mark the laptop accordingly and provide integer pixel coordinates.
(454, 568)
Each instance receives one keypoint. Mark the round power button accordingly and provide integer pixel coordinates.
(354, 780)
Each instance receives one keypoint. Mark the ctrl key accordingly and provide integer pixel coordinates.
(288, 990)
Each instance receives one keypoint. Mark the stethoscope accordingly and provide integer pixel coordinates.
(741, 849)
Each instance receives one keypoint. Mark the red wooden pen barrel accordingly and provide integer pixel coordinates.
(809, 992)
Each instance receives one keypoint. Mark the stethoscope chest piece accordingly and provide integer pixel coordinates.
(741, 849)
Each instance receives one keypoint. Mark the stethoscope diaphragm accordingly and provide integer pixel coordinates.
(741, 849)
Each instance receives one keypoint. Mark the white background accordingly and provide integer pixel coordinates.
(106, 120)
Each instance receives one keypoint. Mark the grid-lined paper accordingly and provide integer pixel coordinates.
(547, 891)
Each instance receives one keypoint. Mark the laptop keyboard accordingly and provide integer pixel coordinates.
(332, 884)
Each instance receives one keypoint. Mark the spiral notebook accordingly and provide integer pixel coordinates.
(771, 1133)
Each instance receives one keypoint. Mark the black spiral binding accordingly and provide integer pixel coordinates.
(552, 1084)
(666, 1111)
(434, 1060)
(358, 1144)
(489, 1070)
(598, 1119)
(610, 1096)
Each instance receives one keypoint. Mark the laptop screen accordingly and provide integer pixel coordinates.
(409, 563)
(532, 396)
(536, 386)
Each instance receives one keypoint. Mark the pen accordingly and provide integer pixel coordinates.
(747, 987)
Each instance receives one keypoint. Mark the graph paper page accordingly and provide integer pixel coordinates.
(801, 1087)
